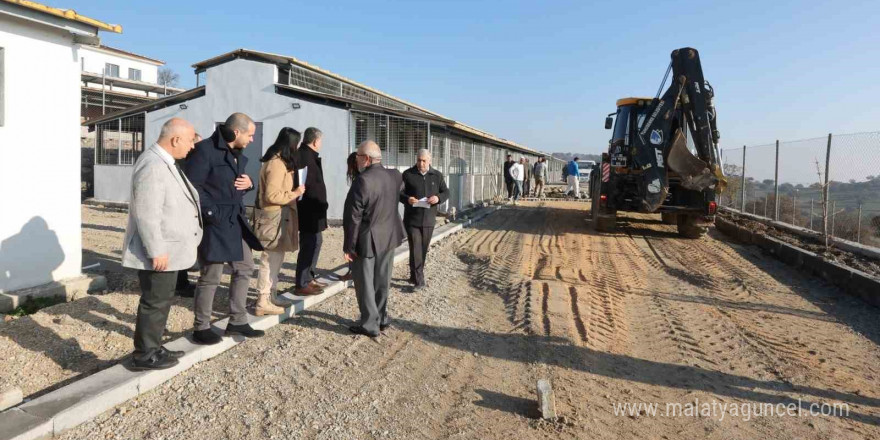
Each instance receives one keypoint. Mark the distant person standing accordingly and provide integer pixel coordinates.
(372, 229)
(164, 228)
(540, 172)
(312, 211)
(517, 172)
(573, 173)
(508, 181)
(216, 169)
(527, 180)
(421, 182)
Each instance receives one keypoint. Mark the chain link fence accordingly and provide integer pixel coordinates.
(852, 164)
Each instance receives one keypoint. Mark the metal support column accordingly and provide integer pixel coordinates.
(776, 185)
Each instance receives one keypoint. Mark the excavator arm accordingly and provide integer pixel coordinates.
(660, 144)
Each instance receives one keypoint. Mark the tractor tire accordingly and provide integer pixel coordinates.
(668, 218)
(597, 223)
(688, 228)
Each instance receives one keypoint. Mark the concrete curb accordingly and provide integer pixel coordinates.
(847, 245)
(69, 288)
(851, 281)
(85, 399)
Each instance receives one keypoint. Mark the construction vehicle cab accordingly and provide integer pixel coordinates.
(663, 155)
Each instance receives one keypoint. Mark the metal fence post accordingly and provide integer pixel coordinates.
(833, 216)
(859, 230)
(794, 208)
(776, 186)
(811, 214)
(742, 207)
(119, 143)
(825, 192)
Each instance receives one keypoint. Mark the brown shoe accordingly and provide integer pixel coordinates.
(309, 290)
(318, 284)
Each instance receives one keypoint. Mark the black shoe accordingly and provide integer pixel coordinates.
(384, 327)
(420, 287)
(157, 361)
(206, 337)
(243, 330)
(356, 329)
(173, 354)
(187, 291)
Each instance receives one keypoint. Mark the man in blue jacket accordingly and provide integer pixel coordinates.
(216, 169)
(573, 177)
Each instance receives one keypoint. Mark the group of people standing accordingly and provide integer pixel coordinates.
(187, 210)
(518, 177)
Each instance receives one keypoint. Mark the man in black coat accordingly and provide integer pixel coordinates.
(372, 229)
(425, 184)
(312, 213)
(508, 179)
(216, 169)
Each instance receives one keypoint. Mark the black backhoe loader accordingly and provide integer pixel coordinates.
(663, 154)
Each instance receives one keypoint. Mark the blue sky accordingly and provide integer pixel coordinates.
(546, 73)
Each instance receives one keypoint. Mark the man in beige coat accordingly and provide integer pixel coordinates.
(164, 229)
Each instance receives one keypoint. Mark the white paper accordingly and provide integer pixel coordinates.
(303, 173)
(422, 203)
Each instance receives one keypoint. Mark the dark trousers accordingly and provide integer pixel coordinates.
(157, 289)
(419, 241)
(509, 185)
(209, 280)
(372, 282)
(307, 259)
(526, 187)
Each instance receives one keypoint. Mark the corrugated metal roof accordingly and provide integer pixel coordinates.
(149, 106)
(68, 14)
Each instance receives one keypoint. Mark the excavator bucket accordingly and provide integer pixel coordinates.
(695, 174)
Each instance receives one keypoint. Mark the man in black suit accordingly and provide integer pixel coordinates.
(508, 179)
(373, 229)
(421, 182)
(312, 213)
(216, 169)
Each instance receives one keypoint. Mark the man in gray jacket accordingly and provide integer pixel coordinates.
(540, 177)
(164, 229)
(373, 228)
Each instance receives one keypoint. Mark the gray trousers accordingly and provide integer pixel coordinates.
(238, 289)
(372, 282)
(157, 289)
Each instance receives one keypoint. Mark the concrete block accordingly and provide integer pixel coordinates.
(84, 399)
(16, 424)
(790, 255)
(834, 273)
(10, 397)
(151, 379)
(546, 400)
(864, 286)
(69, 289)
(767, 243)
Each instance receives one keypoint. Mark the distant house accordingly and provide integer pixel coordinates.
(279, 91)
(40, 94)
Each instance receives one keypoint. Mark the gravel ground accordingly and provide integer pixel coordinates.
(62, 343)
(635, 316)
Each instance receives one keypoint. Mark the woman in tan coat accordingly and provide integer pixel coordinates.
(275, 217)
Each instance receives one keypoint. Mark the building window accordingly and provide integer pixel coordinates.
(111, 70)
(134, 74)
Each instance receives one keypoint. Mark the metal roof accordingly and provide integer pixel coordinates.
(150, 106)
(68, 14)
(143, 86)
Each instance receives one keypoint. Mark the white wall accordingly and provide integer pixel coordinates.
(40, 237)
(248, 87)
(93, 60)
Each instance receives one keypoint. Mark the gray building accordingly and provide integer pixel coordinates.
(280, 91)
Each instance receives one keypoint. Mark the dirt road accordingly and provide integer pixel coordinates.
(637, 316)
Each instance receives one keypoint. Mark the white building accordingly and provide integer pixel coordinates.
(114, 79)
(281, 91)
(40, 240)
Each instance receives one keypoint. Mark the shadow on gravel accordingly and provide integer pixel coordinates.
(841, 307)
(102, 227)
(511, 404)
(529, 348)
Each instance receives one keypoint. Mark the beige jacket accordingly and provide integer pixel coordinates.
(276, 194)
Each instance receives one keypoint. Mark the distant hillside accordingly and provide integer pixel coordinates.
(569, 156)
